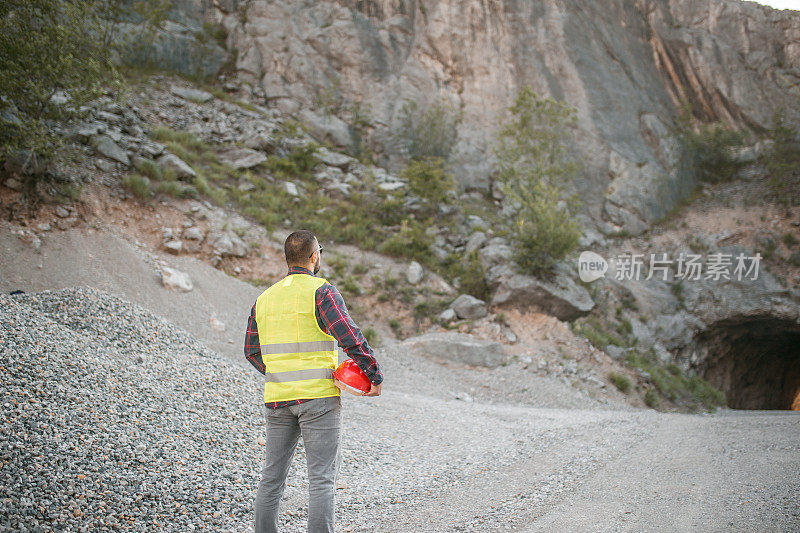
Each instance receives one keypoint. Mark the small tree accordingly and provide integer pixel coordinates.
(533, 167)
(53, 60)
(783, 160)
(428, 179)
(708, 149)
(428, 132)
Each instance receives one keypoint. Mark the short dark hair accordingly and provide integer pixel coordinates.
(298, 247)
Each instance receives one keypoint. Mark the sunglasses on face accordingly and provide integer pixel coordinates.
(315, 251)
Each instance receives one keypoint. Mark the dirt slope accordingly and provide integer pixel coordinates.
(100, 258)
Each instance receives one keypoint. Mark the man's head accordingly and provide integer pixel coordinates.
(302, 249)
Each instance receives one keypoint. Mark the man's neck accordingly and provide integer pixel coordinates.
(296, 269)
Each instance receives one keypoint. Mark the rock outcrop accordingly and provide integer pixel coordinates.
(560, 296)
(457, 347)
(625, 65)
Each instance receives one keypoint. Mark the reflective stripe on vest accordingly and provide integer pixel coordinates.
(298, 375)
(295, 347)
(299, 357)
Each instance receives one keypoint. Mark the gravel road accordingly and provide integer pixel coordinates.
(115, 419)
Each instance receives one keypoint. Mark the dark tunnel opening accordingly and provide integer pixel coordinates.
(755, 361)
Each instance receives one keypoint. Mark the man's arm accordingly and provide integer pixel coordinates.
(252, 346)
(335, 320)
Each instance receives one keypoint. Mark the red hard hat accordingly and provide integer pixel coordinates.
(352, 379)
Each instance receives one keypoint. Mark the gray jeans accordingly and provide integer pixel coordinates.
(320, 422)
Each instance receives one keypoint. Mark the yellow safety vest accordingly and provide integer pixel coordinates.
(299, 357)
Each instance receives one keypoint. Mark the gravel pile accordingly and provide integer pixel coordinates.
(114, 419)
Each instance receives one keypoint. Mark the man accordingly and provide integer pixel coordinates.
(290, 339)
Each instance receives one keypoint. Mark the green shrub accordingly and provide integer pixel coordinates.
(411, 242)
(620, 381)
(783, 160)
(472, 276)
(651, 398)
(372, 337)
(429, 309)
(300, 161)
(177, 189)
(597, 333)
(625, 328)
(151, 169)
(138, 185)
(533, 167)
(170, 188)
(428, 179)
(545, 232)
(789, 239)
(351, 286)
(69, 191)
(428, 132)
(360, 122)
(708, 149)
(360, 269)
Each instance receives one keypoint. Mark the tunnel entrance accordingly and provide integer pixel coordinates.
(755, 361)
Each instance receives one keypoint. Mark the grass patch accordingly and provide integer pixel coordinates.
(351, 286)
(620, 381)
(651, 398)
(670, 381)
(597, 333)
(372, 337)
(429, 309)
(212, 176)
(137, 185)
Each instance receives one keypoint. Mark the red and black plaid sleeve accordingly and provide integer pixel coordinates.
(332, 314)
(252, 346)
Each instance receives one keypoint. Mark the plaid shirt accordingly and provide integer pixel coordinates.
(333, 319)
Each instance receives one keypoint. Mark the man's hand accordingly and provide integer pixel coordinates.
(375, 390)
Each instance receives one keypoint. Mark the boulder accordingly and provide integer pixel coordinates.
(176, 280)
(334, 159)
(496, 252)
(390, 186)
(475, 222)
(561, 296)
(414, 273)
(85, 131)
(242, 157)
(447, 316)
(150, 148)
(291, 188)
(227, 243)
(174, 246)
(457, 347)
(475, 241)
(615, 352)
(194, 234)
(14, 184)
(182, 169)
(468, 307)
(106, 147)
(326, 128)
(193, 95)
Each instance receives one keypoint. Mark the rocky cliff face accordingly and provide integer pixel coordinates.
(624, 64)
